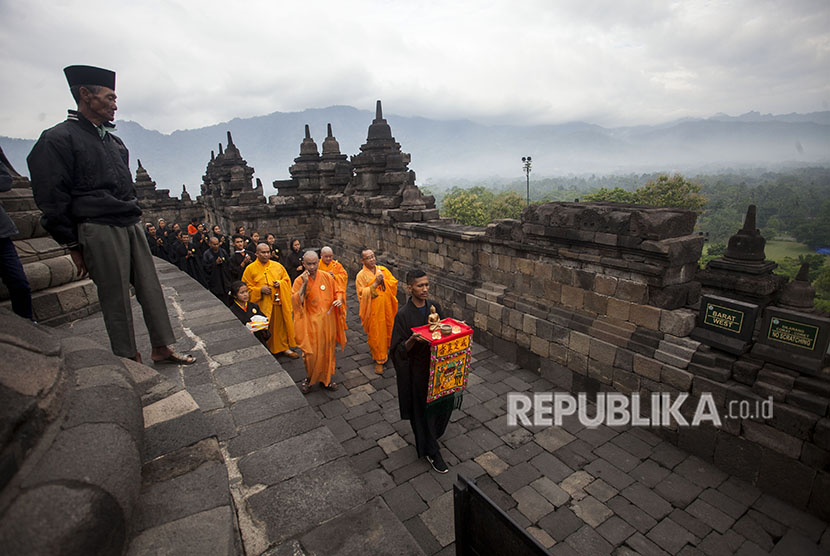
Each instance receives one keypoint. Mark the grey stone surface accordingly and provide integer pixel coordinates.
(289, 458)
(368, 529)
(273, 430)
(305, 501)
(207, 533)
(175, 433)
(267, 405)
(69, 518)
(109, 460)
(203, 489)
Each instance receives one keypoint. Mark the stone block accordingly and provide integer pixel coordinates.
(602, 351)
(679, 322)
(539, 346)
(595, 303)
(370, 528)
(290, 457)
(645, 315)
(572, 297)
(786, 478)
(307, 500)
(647, 367)
(618, 309)
(677, 378)
(632, 291)
(578, 362)
(626, 382)
(605, 285)
(208, 532)
(793, 421)
(602, 372)
(810, 402)
(580, 343)
(772, 438)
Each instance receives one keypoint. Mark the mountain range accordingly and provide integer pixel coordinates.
(447, 150)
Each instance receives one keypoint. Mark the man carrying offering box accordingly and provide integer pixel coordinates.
(431, 368)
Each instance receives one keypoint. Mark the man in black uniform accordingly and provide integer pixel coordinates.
(217, 269)
(81, 181)
(410, 356)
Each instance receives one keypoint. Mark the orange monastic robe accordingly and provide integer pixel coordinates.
(378, 307)
(318, 325)
(281, 327)
(340, 276)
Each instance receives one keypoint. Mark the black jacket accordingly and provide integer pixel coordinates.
(79, 177)
(411, 367)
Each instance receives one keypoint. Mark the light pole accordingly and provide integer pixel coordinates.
(526, 160)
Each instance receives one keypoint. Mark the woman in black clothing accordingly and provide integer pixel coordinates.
(294, 261)
(244, 309)
(223, 241)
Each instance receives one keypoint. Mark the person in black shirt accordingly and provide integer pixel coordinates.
(410, 354)
(82, 183)
(240, 258)
(294, 260)
(217, 266)
(244, 309)
(155, 243)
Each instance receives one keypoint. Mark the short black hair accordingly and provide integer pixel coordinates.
(413, 275)
(76, 90)
(234, 236)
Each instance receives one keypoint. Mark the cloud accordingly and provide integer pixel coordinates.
(185, 64)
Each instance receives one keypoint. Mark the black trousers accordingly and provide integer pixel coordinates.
(428, 429)
(11, 271)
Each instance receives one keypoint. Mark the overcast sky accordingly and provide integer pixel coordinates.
(186, 64)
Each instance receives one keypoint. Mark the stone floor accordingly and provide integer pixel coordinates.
(577, 490)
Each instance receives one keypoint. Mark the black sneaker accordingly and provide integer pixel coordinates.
(438, 463)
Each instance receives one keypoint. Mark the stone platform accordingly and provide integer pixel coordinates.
(336, 473)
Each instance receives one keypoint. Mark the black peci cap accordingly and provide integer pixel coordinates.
(89, 75)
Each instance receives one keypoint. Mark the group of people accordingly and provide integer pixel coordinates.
(82, 183)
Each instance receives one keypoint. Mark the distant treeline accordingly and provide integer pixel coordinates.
(793, 203)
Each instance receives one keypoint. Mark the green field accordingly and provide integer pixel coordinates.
(778, 250)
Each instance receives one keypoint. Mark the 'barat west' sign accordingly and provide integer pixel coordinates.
(725, 323)
(723, 318)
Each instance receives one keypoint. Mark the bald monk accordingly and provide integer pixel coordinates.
(265, 278)
(376, 291)
(319, 321)
(328, 264)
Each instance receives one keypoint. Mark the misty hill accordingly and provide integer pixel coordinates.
(446, 149)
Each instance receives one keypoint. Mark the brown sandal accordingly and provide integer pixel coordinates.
(176, 359)
(305, 387)
(331, 386)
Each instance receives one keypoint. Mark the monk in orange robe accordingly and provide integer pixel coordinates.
(319, 321)
(328, 264)
(270, 288)
(377, 292)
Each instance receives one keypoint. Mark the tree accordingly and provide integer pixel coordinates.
(664, 191)
(468, 206)
(479, 206)
(616, 195)
(822, 286)
(675, 191)
(815, 232)
(507, 205)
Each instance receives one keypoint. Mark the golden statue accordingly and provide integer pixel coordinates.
(433, 319)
